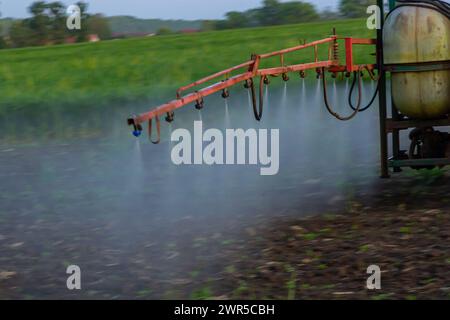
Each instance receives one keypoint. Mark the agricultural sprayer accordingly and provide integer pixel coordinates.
(412, 52)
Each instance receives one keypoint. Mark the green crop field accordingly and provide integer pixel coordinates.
(112, 72)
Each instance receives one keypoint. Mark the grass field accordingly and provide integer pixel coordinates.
(113, 72)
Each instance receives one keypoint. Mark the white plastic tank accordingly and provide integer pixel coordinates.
(415, 34)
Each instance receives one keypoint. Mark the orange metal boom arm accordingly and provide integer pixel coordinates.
(252, 70)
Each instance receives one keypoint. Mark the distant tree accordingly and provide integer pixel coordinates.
(354, 8)
(47, 24)
(221, 24)
(57, 21)
(97, 24)
(269, 14)
(296, 12)
(273, 12)
(329, 14)
(38, 23)
(209, 25)
(20, 34)
(164, 31)
(3, 43)
(236, 19)
(83, 9)
(253, 16)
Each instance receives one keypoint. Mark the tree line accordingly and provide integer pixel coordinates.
(274, 12)
(47, 21)
(47, 25)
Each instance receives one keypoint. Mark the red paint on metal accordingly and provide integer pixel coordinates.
(214, 76)
(198, 95)
(349, 54)
(252, 70)
(300, 47)
(294, 68)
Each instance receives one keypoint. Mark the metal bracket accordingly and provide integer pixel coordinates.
(418, 66)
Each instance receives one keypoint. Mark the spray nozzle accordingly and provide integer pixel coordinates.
(199, 104)
(348, 74)
(137, 133)
(334, 75)
(170, 116)
(285, 77)
(302, 74)
(266, 81)
(225, 93)
(319, 74)
(247, 84)
(137, 128)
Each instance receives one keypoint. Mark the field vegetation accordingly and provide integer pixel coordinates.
(95, 74)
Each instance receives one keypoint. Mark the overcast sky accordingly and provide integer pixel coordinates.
(164, 9)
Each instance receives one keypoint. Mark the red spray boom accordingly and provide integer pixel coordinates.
(251, 70)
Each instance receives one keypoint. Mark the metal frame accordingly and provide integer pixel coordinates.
(252, 70)
(382, 98)
(398, 122)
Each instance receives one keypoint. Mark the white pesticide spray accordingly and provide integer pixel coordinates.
(303, 94)
(134, 181)
(284, 96)
(227, 114)
(335, 94)
(170, 126)
(131, 203)
(318, 87)
(363, 92)
(250, 104)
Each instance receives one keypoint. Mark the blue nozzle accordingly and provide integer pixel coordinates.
(137, 133)
(136, 126)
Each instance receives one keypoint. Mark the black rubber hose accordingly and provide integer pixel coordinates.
(350, 95)
(258, 112)
(327, 104)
